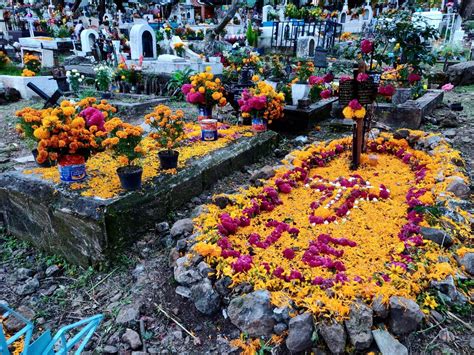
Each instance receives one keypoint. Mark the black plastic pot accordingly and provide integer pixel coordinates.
(456, 106)
(168, 159)
(47, 164)
(130, 177)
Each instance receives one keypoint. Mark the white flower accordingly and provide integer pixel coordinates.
(68, 73)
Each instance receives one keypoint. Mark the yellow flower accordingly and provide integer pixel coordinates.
(348, 112)
(208, 69)
(360, 113)
(216, 96)
(202, 89)
(41, 133)
(255, 78)
(430, 302)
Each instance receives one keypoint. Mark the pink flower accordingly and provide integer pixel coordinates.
(387, 90)
(366, 46)
(328, 77)
(315, 80)
(93, 117)
(413, 77)
(361, 77)
(355, 105)
(344, 78)
(289, 253)
(447, 87)
(195, 98)
(326, 94)
(186, 88)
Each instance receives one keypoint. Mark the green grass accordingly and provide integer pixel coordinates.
(10, 70)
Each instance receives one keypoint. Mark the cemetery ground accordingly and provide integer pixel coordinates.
(136, 292)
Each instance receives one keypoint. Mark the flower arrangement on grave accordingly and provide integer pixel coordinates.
(28, 120)
(4, 60)
(124, 139)
(103, 78)
(321, 87)
(69, 138)
(74, 78)
(168, 132)
(205, 91)
(179, 48)
(131, 75)
(299, 85)
(32, 65)
(354, 111)
(263, 104)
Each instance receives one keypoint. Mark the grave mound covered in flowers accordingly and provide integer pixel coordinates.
(319, 236)
(89, 218)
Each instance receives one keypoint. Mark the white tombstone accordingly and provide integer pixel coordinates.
(369, 12)
(306, 46)
(142, 41)
(265, 11)
(342, 17)
(88, 37)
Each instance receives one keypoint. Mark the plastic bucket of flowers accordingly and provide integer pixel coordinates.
(167, 131)
(124, 140)
(209, 130)
(205, 91)
(72, 168)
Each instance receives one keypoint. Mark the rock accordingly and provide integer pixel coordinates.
(265, 173)
(162, 228)
(467, 263)
(222, 285)
(458, 187)
(300, 332)
(110, 349)
(183, 291)
(52, 270)
(198, 210)
(173, 257)
(432, 141)
(204, 269)
(471, 343)
(359, 326)
(450, 133)
(301, 140)
(446, 336)
(446, 287)
(132, 338)
(379, 308)
(182, 228)
(334, 336)
(128, 315)
(222, 201)
(206, 299)
(13, 324)
(401, 134)
(387, 344)
(23, 273)
(252, 313)
(282, 314)
(279, 328)
(449, 121)
(405, 315)
(438, 236)
(28, 287)
(184, 273)
(461, 73)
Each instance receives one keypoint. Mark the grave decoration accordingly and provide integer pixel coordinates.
(205, 91)
(129, 78)
(77, 136)
(321, 87)
(103, 79)
(262, 104)
(32, 65)
(300, 86)
(320, 237)
(168, 132)
(75, 79)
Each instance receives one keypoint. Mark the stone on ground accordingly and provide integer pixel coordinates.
(182, 228)
(458, 187)
(206, 299)
(252, 313)
(300, 333)
(380, 309)
(461, 73)
(359, 326)
(387, 344)
(128, 315)
(334, 336)
(132, 338)
(405, 315)
(467, 262)
(438, 236)
(13, 325)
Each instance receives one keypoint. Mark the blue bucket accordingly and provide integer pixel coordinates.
(72, 173)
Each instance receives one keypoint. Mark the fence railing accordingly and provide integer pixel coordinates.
(285, 34)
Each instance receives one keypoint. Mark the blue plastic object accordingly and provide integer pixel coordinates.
(80, 334)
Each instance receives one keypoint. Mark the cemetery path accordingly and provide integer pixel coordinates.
(139, 287)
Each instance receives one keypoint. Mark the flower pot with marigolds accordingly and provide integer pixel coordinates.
(124, 139)
(262, 104)
(206, 92)
(32, 65)
(300, 88)
(69, 134)
(168, 132)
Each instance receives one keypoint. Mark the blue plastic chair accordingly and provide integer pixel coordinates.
(45, 343)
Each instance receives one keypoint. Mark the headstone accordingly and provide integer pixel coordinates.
(88, 38)
(142, 42)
